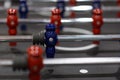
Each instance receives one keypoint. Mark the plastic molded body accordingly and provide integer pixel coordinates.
(35, 62)
(56, 19)
(61, 5)
(23, 12)
(50, 40)
(12, 23)
(96, 4)
(97, 22)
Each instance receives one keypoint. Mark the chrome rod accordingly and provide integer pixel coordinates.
(72, 61)
(82, 61)
(16, 38)
(63, 38)
(69, 8)
(77, 8)
(6, 62)
(47, 1)
(65, 20)
(88, 37)
(69, 20)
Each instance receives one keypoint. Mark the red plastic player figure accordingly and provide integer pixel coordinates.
(56, 19)
(12, 23)
(118, 3)
(72, 14)
(72, 3)
(97, 22)
(35, 62)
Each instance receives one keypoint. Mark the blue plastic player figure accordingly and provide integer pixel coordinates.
(96, 4)
(61, 5)
(50, 40)
(23, 11)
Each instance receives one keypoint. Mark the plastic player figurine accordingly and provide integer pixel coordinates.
(35, 62)
(118, 3)
(12, 23)
(72, 3)
(23, 11)
(97, 18)
(97, 22)
(61, 5)
(50, 40)
(56, 19)
(96, 4)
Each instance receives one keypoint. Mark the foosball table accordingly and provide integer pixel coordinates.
(59, 40)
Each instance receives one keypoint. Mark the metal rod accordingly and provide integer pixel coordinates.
(47, 1)
(30, 21)
(88, 37)
(82, 61)
(72, 61)
(69, 8)
(63, 38)
(16, 38)
(78, 8)
(65, 20)
(69, 20)
(6, 62)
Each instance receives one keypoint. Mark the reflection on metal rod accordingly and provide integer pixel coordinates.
(65, 21)
(88, 37)
(16, 38)
(72, 61)
(82, 61)
(76, 0)
(61, 38)
(79, 8)
(69, 20)
(69, 8)
(6, 63)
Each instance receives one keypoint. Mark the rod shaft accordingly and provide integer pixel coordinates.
(30, 21)
(16, 38)
(72, 61)
(75, 8)
(6, 62)
(88, 37)
(34, 21)
(69, 20)
(76, 0)
(65, 21)
(63, 38)
(69, 8)
(82, 61)
(81, 8)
